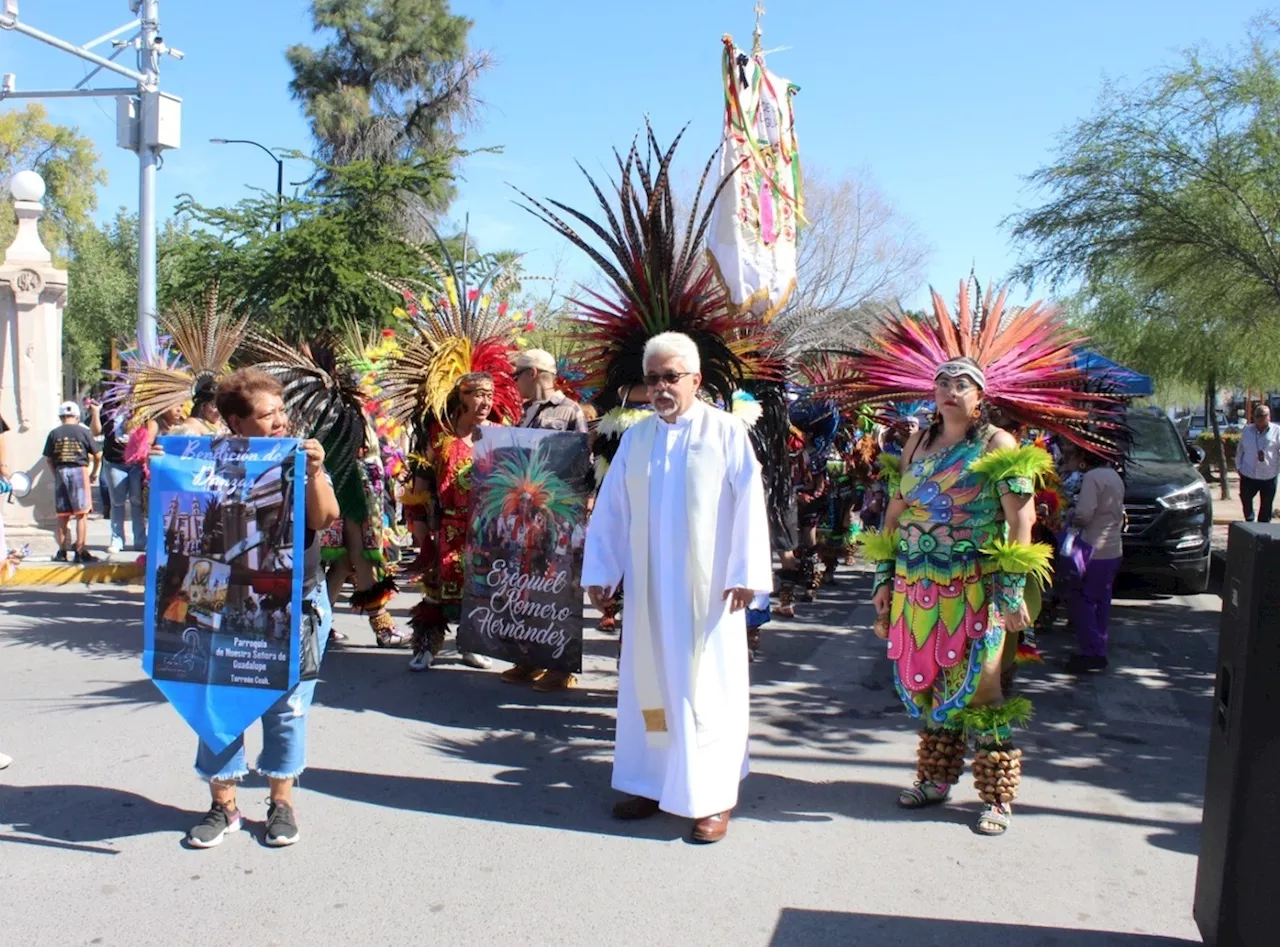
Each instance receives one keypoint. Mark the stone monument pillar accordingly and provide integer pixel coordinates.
(32, 294)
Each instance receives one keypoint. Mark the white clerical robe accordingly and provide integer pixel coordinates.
(696, 772)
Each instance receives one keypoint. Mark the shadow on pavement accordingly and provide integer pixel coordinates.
(1140, 729)
(822, 687)
(67, 816)
(821, 928)
(97, 622)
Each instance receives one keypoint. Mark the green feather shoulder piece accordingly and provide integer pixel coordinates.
(1010, 463)
(1032, 559)
(878, 546)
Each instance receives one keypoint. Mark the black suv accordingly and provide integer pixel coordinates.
(1168, 509)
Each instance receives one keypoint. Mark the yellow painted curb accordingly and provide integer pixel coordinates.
(56, 573)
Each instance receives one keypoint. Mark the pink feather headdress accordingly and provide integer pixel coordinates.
(1027, 355)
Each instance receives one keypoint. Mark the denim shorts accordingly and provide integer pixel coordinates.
(284, 725)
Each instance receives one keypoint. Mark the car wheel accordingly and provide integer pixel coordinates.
(1197, 581)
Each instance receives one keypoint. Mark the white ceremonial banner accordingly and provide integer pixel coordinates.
(752, 238)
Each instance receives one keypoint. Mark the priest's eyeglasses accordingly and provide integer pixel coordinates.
(667, 378)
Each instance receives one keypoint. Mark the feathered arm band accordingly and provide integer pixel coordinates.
(882, 549)
(1014, 469)
(1028, 559)
(879, 546)
(1013, 562)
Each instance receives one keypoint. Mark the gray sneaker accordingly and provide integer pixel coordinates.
(218, 822)
(281, 828)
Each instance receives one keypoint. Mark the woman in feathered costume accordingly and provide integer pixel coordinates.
(446, 383)
(663, 283)
(954, 559)
(326, 397)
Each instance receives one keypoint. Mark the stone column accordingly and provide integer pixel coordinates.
(32, 294)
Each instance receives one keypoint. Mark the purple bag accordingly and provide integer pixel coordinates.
(1074, 552)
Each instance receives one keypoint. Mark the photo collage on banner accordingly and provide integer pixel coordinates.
(522, 597)
(224, 577)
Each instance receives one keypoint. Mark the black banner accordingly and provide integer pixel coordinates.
(522, 598)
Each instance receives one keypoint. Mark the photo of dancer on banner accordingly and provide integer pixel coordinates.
(224, 586)
(522, 601)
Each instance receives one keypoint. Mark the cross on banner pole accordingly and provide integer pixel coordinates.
(756, 47)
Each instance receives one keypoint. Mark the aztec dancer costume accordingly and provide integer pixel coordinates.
(955, 573)
(460, 332)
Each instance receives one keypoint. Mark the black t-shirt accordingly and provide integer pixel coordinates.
(113, 444)
(70, 445)
(3, 427)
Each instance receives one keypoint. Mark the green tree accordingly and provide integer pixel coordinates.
(1165, 205)
(396, 81)
(316, 274)
(1176, 182)
(1196, 337)
(102, 292)
(66, 160)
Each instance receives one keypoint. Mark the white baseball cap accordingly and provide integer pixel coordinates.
(69, 409)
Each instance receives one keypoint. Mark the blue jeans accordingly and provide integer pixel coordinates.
(284, 725)
(124, 483)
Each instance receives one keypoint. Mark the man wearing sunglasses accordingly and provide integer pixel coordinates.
(1258, 461)
(681, 519)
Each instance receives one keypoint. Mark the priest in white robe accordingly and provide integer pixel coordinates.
(681, 522)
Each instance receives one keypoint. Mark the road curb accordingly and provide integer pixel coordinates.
(92, 573)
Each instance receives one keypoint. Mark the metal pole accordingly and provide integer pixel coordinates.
(149, 66)
(63, 45)
(279, 172)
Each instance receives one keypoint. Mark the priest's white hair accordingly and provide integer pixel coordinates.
(673, 345)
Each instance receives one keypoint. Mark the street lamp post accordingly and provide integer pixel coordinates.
(279, 173)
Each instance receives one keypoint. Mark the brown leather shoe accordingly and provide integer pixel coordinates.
(555, 681)
(712, 828)
(636, 807)
(522, 674)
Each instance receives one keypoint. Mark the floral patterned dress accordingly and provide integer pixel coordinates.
(945, 619)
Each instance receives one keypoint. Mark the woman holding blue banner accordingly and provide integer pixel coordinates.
(252, 404)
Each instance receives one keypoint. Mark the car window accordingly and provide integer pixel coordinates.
(1155, 440)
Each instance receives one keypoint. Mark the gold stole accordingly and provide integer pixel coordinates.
(704, 481)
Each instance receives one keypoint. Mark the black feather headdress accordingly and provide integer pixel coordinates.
(661, 279)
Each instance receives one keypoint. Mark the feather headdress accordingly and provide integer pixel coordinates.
(322, 391)
(202, 341)
(458, 321)
(660, 278)
(1026, 355)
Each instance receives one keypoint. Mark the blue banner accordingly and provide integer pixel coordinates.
(224, 578)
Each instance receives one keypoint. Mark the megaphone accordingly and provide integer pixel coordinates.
(17, 485)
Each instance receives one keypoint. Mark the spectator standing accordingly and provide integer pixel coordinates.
(1099, 515)
(74, 461)
(124, 484)
(1258, 462)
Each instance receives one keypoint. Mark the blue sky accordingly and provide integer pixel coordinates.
(944, 105)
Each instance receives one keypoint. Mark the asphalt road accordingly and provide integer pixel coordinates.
(449, 807)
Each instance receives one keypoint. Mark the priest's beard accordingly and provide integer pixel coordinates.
(666, 405)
